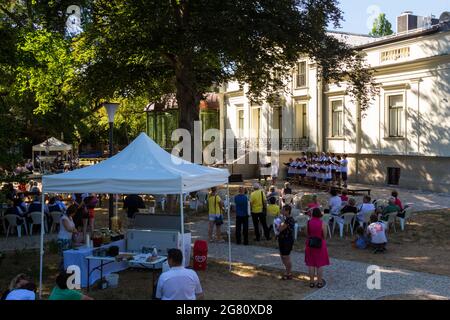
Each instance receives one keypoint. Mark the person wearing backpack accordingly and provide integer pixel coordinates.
(258, 204)
(316, 252)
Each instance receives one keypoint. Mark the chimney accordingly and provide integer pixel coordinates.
(406, 22)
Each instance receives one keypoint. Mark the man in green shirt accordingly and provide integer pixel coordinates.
(62, 292)
(391, 207)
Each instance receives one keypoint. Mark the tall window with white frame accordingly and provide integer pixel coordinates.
(396, 115)
(301, 121)
(241, 122)
(300, 75)
(337, 118)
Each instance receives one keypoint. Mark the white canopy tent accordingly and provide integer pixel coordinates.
(143, 167)
(51, 145)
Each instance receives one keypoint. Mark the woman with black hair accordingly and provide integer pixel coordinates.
(285, 227)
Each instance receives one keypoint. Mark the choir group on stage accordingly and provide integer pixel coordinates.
(319, 170)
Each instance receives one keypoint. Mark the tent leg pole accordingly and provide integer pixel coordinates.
(41, 262)
(182, 228)
(229, 226)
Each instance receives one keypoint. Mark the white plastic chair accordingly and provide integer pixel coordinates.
(288, 198)
(380, 203)
(295, 213)
(408, 215)
(36, 219)
(366, 218)
(201, 199)
(12, 222)
(297, 201)
(391, 218)
(301, 222)
(56, 216)
(326, 219)
(344, 220)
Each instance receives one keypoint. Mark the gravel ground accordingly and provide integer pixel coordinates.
(345, 279)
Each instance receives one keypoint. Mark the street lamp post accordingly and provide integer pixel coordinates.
(111, 108)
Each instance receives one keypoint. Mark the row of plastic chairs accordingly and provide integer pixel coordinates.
(349, 219)
(36, 220)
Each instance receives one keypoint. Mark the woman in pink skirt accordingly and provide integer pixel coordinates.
(316, 253)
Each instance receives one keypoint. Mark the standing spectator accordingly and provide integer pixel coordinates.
(91, 203)
(274, 172)
(62, 292)
(132, 204)
(215, 216)
(241, 202)
(377, 233)
(316, 252)
(285, 232)
(259, 211)
(344, 170)
(178, 283)
(66, 231)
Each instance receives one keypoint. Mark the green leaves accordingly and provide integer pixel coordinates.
(381, 26)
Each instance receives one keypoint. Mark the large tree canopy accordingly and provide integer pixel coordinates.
(188, 46)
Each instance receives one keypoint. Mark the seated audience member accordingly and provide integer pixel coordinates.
(273, 211)
(35, 188)
(398, 203)
(36, 206)
(60, 203)
(273, 193)
(344, 195)
(335, 203)
(62, 292)
(20, 288)
(366, 206)
(286, 190)
(53, 206)
(361, 240)
(377, 233)
(391, 207)
(350, 207)
(313, 204)
(178, 283)
(23, 205)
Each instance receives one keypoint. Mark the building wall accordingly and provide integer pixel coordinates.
(423, 173)
(422, 77)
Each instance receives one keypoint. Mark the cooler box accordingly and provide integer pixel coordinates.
(200, 254)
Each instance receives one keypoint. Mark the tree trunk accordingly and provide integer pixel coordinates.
(188, 99)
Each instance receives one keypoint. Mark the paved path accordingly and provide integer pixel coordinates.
(345, 279)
